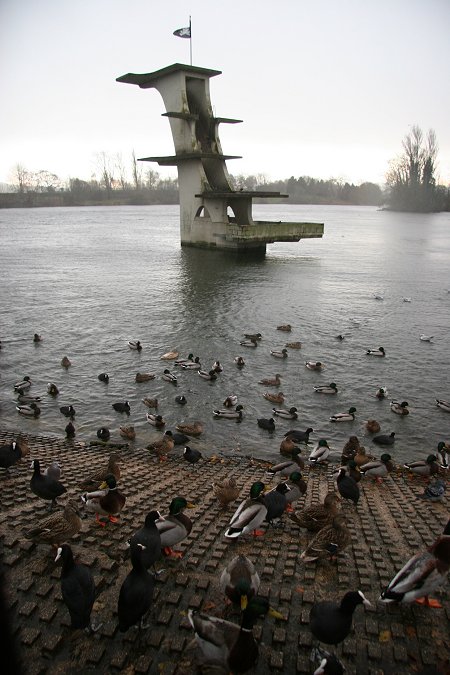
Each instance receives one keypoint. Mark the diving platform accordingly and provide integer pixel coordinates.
(212, 213)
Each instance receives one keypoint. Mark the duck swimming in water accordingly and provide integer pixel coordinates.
(230, 401)
(23, 385)
(271, 381)
(135, 344)
(443, 405)
(239, 361)
(376, 352)
(52, 389)
(290, 414)
(314, 365)
(31, 410)
(400, 408)
(229, 414)
(210, 375)
(267, 424)
(283, 354)
(326, 388)
(274, 398)
(344, 417)
(169, 377)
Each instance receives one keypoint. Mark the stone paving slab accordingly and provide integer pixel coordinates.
(389, 525)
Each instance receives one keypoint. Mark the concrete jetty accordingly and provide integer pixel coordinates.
(389, 525)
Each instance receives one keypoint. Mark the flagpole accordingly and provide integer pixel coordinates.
(190, 39)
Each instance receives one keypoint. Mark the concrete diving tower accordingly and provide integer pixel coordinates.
(212, 214)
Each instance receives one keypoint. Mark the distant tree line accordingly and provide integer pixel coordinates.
(410, 184)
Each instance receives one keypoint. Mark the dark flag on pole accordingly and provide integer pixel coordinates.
(183, 32)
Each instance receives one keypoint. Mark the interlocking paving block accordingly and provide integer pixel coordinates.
(29, 635)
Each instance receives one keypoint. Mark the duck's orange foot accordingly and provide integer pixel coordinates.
(258, 533)
(429, 602)
(378, 480)
(113, 519)
(170, 553)
(163, 458)
(289, 508)
(100, 522)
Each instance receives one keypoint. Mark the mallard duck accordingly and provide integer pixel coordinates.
(192, 455)
(170, 356)
(226, 645)
(135, 344)
(287, 467)
(286, 327)
(320, 452)
(326, 388)
(329, 541)
(347, 486)
(25, 398)
(52, 389)
(150, 402)
(249, 515)
(58, 527)
(276, 502)
(422, 574)
(372, 426)
(239, 361)
(376, 352)
(443, 405)
(44, 486)
(106, 501)
(94, 480)
(442, 455)
(400, 408)
(122, 407)
(136, 593)
(385, 439)
(23, 385)
(65, 362)
(379, 468)
(267, 424)
(229, 414)
(128, 431)
(340, 337)
(249, 343)
(314, 518)
(344, 417)
(180, 362)
(162, 446)
(293, 345)
(103, 377)
(193, 364)
(314, 365)
(9, 455)
(426, 338)
(297, 488)
(271, 381)
(299, 436)
(207, 375)
(230, 401)
(181, 400)
(381, 393)
(331, 621)
(217, 367)
(103, 434)
(239, 581)
(144, 377)
(37, 337)
(279, 354)
(175, 527)
(30, 410)
(274, 398)
(190, 428)
(290, 414)
(362, 457)
(77, 589)
(350, 449)
(424, 467)
(156, 420)
(226, 491)
(67, 411)
(149, 537)
(287, 446)
(253, 336)
(70, 430)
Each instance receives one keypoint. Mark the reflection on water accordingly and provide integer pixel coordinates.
(90, 279)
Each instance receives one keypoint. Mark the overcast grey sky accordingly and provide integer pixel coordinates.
(325, 88)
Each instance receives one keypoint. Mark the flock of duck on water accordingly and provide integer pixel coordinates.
(228, 644)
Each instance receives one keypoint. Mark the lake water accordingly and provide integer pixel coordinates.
(90, 279)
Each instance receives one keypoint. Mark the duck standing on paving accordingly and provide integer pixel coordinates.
(314, 518)
(45, 487)
(58, 527)
(329, 541)
(175, 527)
(149, 537)
(239, 581)
(136, 593)
(106, 501)
(422, 574)
(227, 645)
(94, 480)
(249, 515)
(226, 491)
(77, 589)
(288, 466)
(330, 622)
(379, 468)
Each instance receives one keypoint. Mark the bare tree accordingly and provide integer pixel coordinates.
(21, 177)
(106, 169)
(136, 172)
(121, 171)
